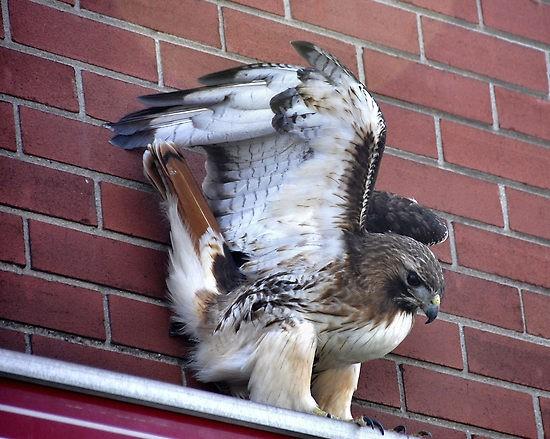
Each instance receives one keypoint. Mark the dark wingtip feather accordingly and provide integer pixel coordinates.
(303, 47)
(139, 140)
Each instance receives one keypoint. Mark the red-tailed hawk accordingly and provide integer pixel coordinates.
(305, 272)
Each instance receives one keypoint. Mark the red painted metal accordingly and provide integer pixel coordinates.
(34, 411)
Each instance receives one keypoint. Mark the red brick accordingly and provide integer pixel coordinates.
(469, 402)
(545, 409)
(443, 251)
(409, 131)
(192, 19)
(53, 305)
(484, 54)
(390, 421)
(528, 213)
(7, 127)
(437, 343)
(115, 361)
(37, 79)
(109, 99)
(13, 245)
(463, 9)
(105, 261)
(523, 113)
(129, 317)
(183, 66)
(275, 7)
(12, 340)
(482, 300)
(533, 22)
(47, 191)
(378, 383)
(537, 310)
(502, 255)
(442, 190)
(420, 84)
(508, 359)
(370, 22)
(69, 141)
(86, 40)
(272, 40)
(133, 212)
(498, 155)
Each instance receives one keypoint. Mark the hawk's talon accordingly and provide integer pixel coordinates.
(319, 412)
(370, 422)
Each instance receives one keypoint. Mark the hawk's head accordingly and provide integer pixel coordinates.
(401, 272)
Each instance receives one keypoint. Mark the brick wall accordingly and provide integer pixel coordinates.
(464, 87)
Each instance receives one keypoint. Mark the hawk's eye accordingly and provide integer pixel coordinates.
(412, 279)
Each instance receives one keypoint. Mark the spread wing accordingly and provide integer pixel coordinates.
(292, 155)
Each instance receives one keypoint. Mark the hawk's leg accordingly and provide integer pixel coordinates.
(281, 370)
(333, 389)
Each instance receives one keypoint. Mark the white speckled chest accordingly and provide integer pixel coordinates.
(357, 344)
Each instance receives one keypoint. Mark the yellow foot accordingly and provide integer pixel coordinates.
(317, 411)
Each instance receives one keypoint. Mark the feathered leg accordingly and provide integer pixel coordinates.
(281, 368)
(333, 389)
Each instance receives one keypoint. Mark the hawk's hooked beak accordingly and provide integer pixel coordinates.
(427, 302)
(431, 308)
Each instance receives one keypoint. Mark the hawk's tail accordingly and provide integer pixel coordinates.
(201, 266)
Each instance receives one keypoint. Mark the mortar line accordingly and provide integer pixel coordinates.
(438, 140)
(360, 64)
(288, 9)
(452, 244)
(494, 111)
(420, 39)
(6, 19)
(221, 28)
(27, 243)
(28, 343)
(547, 57)
(480, 14)
(158, 57)
(463, 348)
(522, 310)
(401, 387)
(18, 130)
(107, 320)
(538, 417)
(80, 93)
(504, 206)
(98, 204)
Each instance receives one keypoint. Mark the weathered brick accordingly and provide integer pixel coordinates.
(97, 259)
(370, 22)
(533, 22)
(502, 255)
(115, 361)
(37, 79)
(537, 310)
(482, 300)
(192, 19)
(109, 99)
(508, 359)
(47, 191)
(409, 130)
(419, 84)
(272, 40)
(528, 213)
(129, 317)
(498, 155)
(378, 383)
(7, 127)
(69, 141)
(438, 342)
(183, 66)
(522, 113)
(133, 212)
(391, 421)
(274, 6)
(484, 54)
(545, 410)
(97, 43)
(443, 251)
(51, 304)
(469, 402)
(13, 245)
(441, 189)
(12, 340)
(463, 9)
